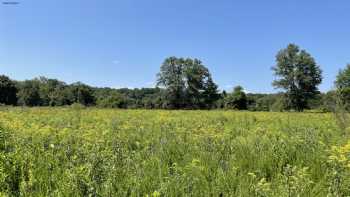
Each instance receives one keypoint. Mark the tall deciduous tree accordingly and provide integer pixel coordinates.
(299, 75)
(188, 83)
(171, 78)
(8, 91)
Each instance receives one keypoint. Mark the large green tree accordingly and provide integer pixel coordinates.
(201, 91)
(343, 85)
(299, 75)
(188, 84)
(171, 77)
(8, 91)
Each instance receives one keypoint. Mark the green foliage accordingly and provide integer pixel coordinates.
(343, 86)
(279, 104)
(81, 93)
(171, 77)
(52, 92)
(187, 83)
(43, 92)
(343, 78)
(114, 100)
(8, 91)
(329, 101)
(299, 75)
(265, 102)
(29, 93)
(237, 99)
(148, 98)
(210, 94)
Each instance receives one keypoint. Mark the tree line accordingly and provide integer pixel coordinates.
(185, 83)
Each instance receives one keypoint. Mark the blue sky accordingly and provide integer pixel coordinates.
(122, 43)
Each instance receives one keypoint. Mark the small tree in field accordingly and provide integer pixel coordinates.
(299, 75)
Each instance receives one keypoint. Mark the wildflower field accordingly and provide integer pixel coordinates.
(102, 152)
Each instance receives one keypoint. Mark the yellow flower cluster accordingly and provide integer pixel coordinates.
(340, 155)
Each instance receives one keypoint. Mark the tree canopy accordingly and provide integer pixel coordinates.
(187, 83)
(299, 75)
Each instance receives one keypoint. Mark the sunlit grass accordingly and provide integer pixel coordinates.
(100, 152)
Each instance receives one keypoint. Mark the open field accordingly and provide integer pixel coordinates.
(101, 152)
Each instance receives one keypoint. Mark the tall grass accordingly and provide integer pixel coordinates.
(99, 152)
